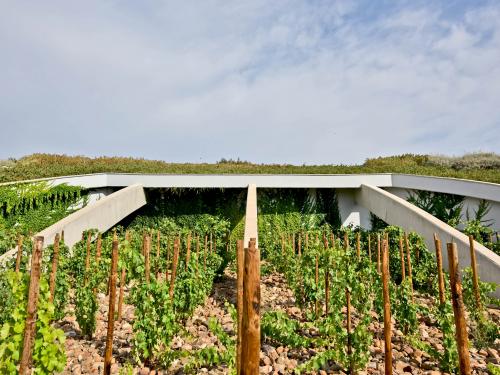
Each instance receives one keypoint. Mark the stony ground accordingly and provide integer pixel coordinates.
(86, 356)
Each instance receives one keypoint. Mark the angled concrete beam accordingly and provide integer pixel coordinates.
(396, 211)
(101, 215)
(251, 227)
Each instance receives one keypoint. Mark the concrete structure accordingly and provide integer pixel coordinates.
(102, 215)
(251, 224)
(397, 211)
(358, 195)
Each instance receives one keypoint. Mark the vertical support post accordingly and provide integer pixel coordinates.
(327, 277)
(174, 267)
(147, 250)
(378, 252)
(33, 291)
(346, 241)
(402, 256)
(87, 259)
(188, 249)
(387, 310)
(250, 350)
(358, 245)
(19, 252)
(370, 246)
(158, 248)
(98, 250)
(240, 259)
(458, 310)
(316, 279)
(439, 260)
(111, 310)
(205, 254)
(300, 246)
(293, 242)
(349, 339)
(408, 258)
(475, 281)
(53, 273)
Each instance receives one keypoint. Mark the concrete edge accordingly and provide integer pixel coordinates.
(251, 225)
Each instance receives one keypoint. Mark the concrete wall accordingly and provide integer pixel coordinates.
(101, 215)
(397, 211)
(251, 225)
(350, 211)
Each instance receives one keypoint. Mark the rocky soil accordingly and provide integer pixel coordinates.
(87, 356)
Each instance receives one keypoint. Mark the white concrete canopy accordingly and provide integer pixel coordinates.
(396, 211)
(101, 215)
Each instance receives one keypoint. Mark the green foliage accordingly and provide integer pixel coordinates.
(155, 321)
(48, 350)
(86, 302)
(47, 165)
(278, 327)
(405, 311)
(446, 207)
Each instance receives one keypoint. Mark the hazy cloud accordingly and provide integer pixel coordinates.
(282, 81)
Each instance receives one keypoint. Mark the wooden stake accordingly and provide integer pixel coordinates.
(346, 241)
(402, 256)
(387, 310)
(205, 254)
(293, 242)
(458, 310)
(316, 304)
(53, 273)
(240, 259)
(174, 268)
(19, 252)
(62, 236)
(378, 252)
(300, 246)
(439, 260)
(408, 258)
(111, 310)
(349, 343)
(122, 287)
(369, 247)
(98, 250)
(250, 349)
(358, 245)
(168, 258)
(197, 254)
(33, 292)
(211, 243)
(158, 248)
(188, 249)
(147, 250)
(475, 281)
(87, 259)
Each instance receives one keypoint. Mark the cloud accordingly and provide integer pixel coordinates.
(287, 81)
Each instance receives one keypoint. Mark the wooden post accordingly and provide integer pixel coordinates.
(168, 258)
(300, 246)
(306, 242)
(205, 254)
(174, 267)
(33, 292)
(370, 247)
(408, 258)
(316, 304)
(378, 252)
(439, 260)
(458, 310)
(250, 349)
(475, 281)
(158, 248)
(327, 276)
(293, 242)
(358, 245)
(98, 250)
(197, 254)
(349, 343)
(211, 243)
(346, 241)
(53, 273)
(147, 250)
(62, 236)
(111, 310)
(87, 259)
(188, 249)
(402, 256)
(122, 287)
(387, 310)
(19, 252)
(240, 259)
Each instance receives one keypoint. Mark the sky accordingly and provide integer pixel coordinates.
(281, 81)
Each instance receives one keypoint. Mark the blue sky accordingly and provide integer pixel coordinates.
(282, 81)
